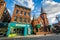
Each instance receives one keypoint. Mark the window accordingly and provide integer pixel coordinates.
(20, 19)
(4, 11)
(24, 13)
(43, 17)
(24, 19)
(19, 31)
(29, 14)
(20, 12)
(2, 4)
(15, 18)
(28, 20)
(16, 11)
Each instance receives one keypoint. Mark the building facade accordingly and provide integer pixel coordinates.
(6, 16)
(42, 20)
(21, 14)
(45, 19)
(2, 7)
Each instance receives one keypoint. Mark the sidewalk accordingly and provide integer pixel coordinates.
(30, 36)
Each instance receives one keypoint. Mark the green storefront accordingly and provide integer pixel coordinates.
(18, 29)
(38, 25)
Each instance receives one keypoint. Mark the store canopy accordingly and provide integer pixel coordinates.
(38, 25)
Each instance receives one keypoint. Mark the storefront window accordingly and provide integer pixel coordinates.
(28, 20)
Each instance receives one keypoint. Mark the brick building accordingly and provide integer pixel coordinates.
(2, 7)
(45, 19)
(34, 22)
(4, 14)
(21, 14)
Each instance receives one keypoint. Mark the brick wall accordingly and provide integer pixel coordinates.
(22, 14)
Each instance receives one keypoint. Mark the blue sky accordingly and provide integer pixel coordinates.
(51, 7)
(36, 3)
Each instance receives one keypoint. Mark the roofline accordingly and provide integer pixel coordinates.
(23, 6)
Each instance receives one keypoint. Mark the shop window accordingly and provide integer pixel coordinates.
(18, 31)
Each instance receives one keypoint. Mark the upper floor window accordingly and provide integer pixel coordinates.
(29, 14)
(20, 12)
(16, 11)
(4, 11)
(24, 13)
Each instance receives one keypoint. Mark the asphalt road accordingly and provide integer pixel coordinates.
(32, 37)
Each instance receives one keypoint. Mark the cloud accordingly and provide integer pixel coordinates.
(52, 9)
(27, 3)
(9, 10)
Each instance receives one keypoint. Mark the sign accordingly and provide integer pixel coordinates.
(20, 25)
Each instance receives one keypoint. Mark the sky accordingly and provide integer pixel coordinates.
(51, 7)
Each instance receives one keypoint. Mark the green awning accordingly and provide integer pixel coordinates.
(38, 25)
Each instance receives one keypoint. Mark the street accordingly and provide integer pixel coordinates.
(33, 37)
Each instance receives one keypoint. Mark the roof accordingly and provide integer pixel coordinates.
(22, 6)
(42, 11)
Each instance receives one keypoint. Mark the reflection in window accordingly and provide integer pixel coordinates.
(29, 14)
(20, 12)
